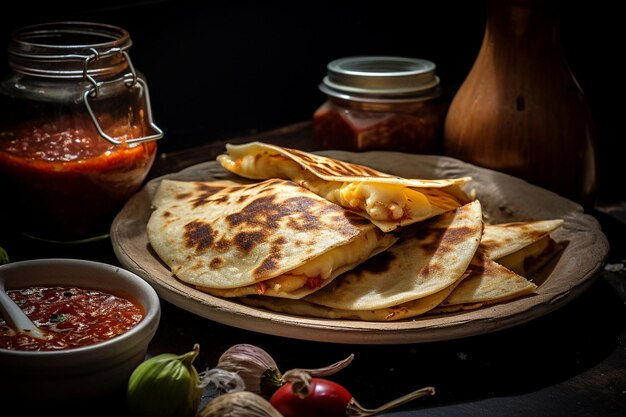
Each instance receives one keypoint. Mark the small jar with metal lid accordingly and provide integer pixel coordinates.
(380, 103)
(77, 137)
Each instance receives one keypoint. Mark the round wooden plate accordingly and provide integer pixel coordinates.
(503, 198)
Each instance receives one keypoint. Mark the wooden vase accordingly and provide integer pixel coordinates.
(520, 110)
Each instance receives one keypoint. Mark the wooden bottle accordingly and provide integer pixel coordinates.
(520, 110)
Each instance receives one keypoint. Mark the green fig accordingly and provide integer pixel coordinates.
(165, 385)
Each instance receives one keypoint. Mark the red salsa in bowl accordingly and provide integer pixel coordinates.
(100, 317)
(70, 317)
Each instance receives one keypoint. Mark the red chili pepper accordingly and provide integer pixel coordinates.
(305, 396)
(325, 398)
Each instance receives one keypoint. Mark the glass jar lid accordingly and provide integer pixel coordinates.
(71, 63)
(69, 50)
(380, 78)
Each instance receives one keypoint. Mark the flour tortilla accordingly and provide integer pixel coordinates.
(223, 236)
(488, 283)
(430, 257)
(522, 247)
(388, 201)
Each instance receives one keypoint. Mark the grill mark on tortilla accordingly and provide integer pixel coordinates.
(199, 235)
(304, 222)
(456, 235)
(529, 234)
(447, 241)
(206, 197)
(182, 196)
(260, 212)
(216, 263)
(222, 245)
(246, 241)
(429, 270)
(336, 167)
(490, 246)
(264, 212)
(270, 262)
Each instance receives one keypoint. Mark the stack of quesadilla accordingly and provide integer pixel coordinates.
(362, 293)
(320, 237)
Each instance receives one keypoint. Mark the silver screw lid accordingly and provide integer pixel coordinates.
(379, 76)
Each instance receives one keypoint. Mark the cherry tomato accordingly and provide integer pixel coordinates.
(326, 398)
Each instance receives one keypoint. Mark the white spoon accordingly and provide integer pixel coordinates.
(16, 318)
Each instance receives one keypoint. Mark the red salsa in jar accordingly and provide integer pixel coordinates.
(64, 181)
(77, 137)
(380, 103)
(414, 128)
(71, 317)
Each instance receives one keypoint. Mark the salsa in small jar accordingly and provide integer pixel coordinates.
(380, 103)
(76, 132)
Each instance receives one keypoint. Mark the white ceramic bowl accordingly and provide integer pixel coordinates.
(83, 373)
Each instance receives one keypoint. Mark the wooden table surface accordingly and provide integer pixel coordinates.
(571, 362)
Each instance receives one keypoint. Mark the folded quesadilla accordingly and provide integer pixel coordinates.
(388, 201)
(273, 237)
(429, 257)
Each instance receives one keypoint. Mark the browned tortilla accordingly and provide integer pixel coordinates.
(224, 236)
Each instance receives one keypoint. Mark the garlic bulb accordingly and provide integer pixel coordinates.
(239, 404)
(254, 365)
(259, 370)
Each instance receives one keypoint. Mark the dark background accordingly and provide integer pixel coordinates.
(220, 69)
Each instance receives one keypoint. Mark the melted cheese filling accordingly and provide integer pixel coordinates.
(319, 269)
(381, 201)
(355, 251)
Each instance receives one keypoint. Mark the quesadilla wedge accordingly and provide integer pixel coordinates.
(430, 257)
(508, 254)
(388, 201)
(488, 283)
(272, 237)
(522, 247)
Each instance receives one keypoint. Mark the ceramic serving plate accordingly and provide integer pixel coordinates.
(503, 199)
